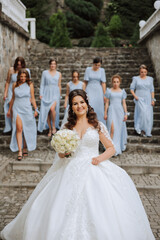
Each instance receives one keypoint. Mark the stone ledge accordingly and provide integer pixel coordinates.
(4, 19)
(156, 28)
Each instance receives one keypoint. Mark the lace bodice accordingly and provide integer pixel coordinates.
(89, 143)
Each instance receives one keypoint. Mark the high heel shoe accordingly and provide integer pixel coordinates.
(19, 157)
(50, 133)
(54, 131)
(25, 152)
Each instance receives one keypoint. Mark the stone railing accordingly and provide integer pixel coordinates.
(150, 38)
(147, 26)
(16, 10)
(32, 22)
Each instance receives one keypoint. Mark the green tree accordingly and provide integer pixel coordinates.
(110, 11)
(98, 4)
(60, 35)
(38, 9)
(78, 27)
(101, 38)
(82, 16)
(115, 26)
(130, 12)
(135, 36)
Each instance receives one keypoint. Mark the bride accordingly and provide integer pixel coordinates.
(84, 197)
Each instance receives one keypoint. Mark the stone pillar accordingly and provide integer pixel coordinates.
(32, 22)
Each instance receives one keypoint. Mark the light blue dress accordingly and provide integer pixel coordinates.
(8, 122)
(116, 116)
(143, 113)
(50, 92)
(23, 108)
(72, 87)
(94, 90)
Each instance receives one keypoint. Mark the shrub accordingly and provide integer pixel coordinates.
(115, 26)
(60, 35)
(101, 38)
(78, 27)
(98, 4)
(135, 36)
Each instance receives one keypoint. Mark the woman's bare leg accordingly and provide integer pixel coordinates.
(49, 124)
(25, 152)
(53, 117)
(19, 129)
(112, 130)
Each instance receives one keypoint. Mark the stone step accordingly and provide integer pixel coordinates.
(32, 165)
(144, 178)
(155, 131)
(143, 147)
(143, 140)
(130, 123)
(12, 200)
(44, 140)
(156, 114)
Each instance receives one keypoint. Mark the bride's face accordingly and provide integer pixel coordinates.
(79, 106)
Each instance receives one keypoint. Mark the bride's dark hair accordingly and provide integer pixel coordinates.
(72, 118)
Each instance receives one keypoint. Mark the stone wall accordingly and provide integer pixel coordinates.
(13, 43)
(153, 46)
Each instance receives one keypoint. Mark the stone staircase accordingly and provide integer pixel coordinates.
(18, 180)
(141, 160)
(124, 61)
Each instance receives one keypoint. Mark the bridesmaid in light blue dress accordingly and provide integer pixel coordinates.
(11, 78)
(24, 131)
(117, 114)
(50, 92)
(72, 85)
(95, 86)
(142, 90)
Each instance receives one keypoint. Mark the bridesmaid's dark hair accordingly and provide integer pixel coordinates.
(28, 80)
(97, 60)
(72, 118)
(52, 60)
(75, 71)
(21, 60)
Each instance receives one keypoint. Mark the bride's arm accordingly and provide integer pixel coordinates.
(108, 144)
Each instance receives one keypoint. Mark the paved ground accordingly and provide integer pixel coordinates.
(18, 180)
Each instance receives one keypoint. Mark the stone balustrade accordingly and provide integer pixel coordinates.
(149, 24)
(150, 37)
(16, 10)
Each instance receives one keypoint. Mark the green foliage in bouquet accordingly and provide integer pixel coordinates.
(60, 35)
(101, 38)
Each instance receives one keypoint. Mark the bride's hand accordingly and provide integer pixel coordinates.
(63, 155)
(95, 161)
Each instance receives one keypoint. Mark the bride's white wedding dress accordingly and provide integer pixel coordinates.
(79, 201)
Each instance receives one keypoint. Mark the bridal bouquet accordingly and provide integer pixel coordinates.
(65, 141)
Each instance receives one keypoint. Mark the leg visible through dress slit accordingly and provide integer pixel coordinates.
(51, 119)
(112, 130)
